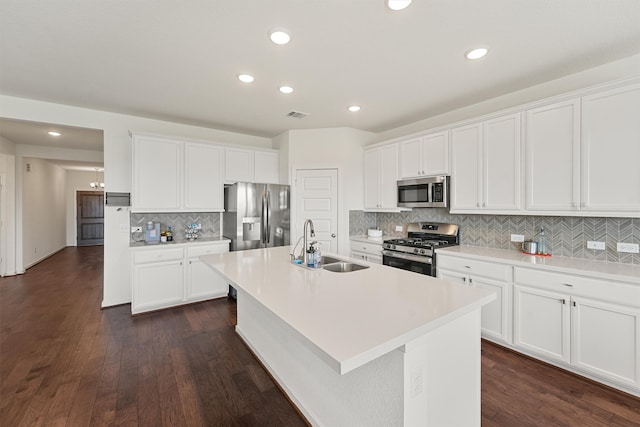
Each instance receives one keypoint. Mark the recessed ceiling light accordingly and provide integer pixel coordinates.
(477, 53)
(279, 37)
(286, 89)
(52, 133)
(354, 108)
(246, 78)
(398, 4)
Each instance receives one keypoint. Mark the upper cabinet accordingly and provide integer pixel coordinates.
(380, 177)
(425, 156)
(247, 165)
(485, 163)
(611, 151)
(170, 175)
(553, 157)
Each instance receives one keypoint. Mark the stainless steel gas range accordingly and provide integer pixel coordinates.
(416, 251)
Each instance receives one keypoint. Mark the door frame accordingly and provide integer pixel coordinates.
(298, 222)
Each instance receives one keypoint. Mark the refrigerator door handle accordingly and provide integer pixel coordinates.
(263, 220)
(268, 229)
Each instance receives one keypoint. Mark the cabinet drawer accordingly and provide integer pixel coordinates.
(157, 255)
(370, 248)
(605, 290)
(477, 268)
(197, 251)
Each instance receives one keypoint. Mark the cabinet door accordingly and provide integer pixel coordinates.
(435, 154)
(202, 282)
(610, 150)
(372, 178)
(389, 176)
(501, 165)
(157, 174)
(157, 285)
(203, 189)
(411, 158)
(495, 315)
(541, 323)
(466, 174)
(267, 167)
(239, 165)
(553, 157)
(606, 340)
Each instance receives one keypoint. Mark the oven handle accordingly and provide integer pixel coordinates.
(409, 257)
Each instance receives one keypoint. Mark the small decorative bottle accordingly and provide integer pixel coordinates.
(542, 243)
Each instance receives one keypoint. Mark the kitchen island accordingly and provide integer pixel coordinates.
(378, 346)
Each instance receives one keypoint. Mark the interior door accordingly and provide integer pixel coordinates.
(90, 217)
(316, 193)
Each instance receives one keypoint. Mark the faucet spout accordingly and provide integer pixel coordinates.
(307, 223)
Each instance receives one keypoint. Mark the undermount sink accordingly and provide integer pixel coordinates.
(330, 260)
(344, 267)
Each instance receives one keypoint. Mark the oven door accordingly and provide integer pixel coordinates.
(415, 263)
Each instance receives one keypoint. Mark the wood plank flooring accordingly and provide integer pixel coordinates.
(66, 362)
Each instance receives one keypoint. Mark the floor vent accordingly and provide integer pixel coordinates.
(297, 114)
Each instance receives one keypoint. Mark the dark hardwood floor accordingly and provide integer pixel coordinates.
(66, 362)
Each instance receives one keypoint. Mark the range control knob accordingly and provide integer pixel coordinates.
(416, 251)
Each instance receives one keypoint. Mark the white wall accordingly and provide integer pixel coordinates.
(75, 181)
(620, 69)
(335, 148)
(7, 211)
(117, 164)
(43, 209)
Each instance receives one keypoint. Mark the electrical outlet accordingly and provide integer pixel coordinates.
(517, 237)
(599, 246)
(136, 229)
(398, 228)
(632, 248)
(198, 226)
(416, 381)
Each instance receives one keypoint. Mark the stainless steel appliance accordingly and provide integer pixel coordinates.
(428, 192)
(256, 215)
(416, 251)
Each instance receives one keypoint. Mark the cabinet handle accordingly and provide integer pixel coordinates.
(563, 301)
(189, 262)
(574, 303)
(470, 281)
(464, 280)
(568, 285)
(180, 262)
(467, 266)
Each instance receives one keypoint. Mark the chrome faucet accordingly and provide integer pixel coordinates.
(305, 256)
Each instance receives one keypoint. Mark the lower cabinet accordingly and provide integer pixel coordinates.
(590, 325)
(167, 277)
(371, 252)
(496, 316)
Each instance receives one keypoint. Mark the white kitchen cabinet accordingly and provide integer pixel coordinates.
(610, 150)
(553, 157)
(247, 165)
(496, 316)
(486, 168)
(371, 252)
(169, 276)
(170, 175)
(425, 156)
(201, 281)
(158, 279)
(157, 174)
(203, 189)
(588, 324)
(380, 177)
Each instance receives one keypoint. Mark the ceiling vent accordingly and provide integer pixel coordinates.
(297, 114)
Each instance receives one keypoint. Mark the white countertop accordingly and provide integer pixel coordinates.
(350, 318)
(586, 267)
(181, 242)
(366, 239)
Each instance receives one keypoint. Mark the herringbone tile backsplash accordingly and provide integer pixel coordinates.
(567, 236)
(178, 221)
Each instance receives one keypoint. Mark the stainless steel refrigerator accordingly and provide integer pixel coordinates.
(256, 215)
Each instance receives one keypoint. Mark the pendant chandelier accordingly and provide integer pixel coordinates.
(97, 184)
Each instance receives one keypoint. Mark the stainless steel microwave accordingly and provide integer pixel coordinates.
(429, 192)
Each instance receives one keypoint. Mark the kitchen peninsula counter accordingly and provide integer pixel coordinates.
(365, 347)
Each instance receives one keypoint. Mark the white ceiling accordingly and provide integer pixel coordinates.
(179, 61)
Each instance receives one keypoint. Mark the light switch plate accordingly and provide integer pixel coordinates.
(632, 248)
(517, 237)
(398, 228)
(595, 245)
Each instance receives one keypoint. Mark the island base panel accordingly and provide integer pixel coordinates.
(434, 380)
